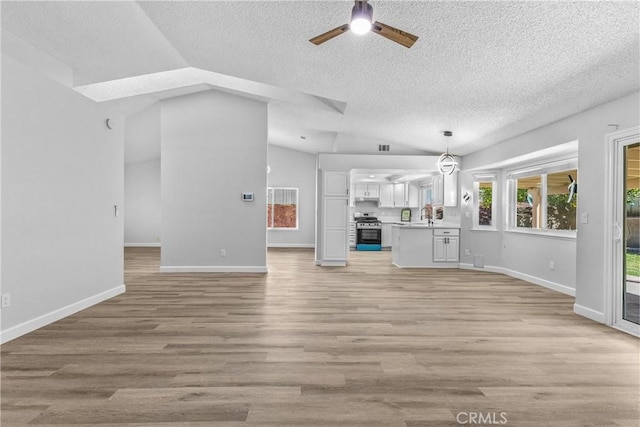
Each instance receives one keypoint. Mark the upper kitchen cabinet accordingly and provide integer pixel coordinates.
(445, 190)
(413, 196)
(386, 196)
(367, 191)
(405, 195)
(335, 184)
(399, 195)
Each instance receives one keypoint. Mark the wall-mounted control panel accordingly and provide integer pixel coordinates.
(247, 197)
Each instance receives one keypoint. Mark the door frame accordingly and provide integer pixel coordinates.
(613, 234)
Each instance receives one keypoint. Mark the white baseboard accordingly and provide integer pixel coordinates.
(588, 313)
(291, 245)
(523, 276)
(142, 245)
(44, 320)
(452, 265)
(213, 269)
(489, 268)
(333, 263)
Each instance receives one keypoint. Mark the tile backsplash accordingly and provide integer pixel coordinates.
(451, 214)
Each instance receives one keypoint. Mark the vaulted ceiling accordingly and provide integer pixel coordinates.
(487, 71)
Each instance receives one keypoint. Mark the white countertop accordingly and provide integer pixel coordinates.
(423, 225)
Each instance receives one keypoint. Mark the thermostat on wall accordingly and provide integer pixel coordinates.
(247, 197)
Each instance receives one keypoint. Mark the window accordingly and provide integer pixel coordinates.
(484, 201)
(528, 204)
(562, 205)
(282, 208)
(545, 197)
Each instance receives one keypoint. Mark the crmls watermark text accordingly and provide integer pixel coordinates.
(482, 418)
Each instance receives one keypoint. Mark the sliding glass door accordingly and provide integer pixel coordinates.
(624, 248)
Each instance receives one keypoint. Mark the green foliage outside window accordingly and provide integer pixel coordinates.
(561, 214)
(522, 195)
(486, 197)
(633, 196)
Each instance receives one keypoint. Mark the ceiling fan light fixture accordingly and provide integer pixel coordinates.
(361, 18)
(360, 26)
(362, 23)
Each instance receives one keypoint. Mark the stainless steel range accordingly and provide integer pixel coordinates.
(368, 233)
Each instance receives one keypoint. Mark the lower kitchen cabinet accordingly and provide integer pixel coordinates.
(386, 235)
(446, 245)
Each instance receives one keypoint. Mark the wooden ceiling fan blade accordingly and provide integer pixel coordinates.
(394, 34)
(330, 34)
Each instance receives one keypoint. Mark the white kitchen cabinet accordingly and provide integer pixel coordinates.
(399, 196)
(386, 235)
(413, 196)
(334, 247)
(437, 194)
(367, 191)
(386, 196)
(445, 190)
(373, 191)
(450, 190)
(405, 195)
(335, 183)
(334, 220)
(359, 190)
(446, 245)
(335, 229)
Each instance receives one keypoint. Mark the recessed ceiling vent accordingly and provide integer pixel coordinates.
(383, 147)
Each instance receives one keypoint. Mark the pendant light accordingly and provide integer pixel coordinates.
(447, 163)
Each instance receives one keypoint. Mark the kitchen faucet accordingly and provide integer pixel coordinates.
(425, 213)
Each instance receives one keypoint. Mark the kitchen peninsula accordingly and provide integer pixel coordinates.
(419, 245)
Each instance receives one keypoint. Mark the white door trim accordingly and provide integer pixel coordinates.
(613, 223)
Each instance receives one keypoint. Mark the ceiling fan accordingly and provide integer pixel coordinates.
(362, 22)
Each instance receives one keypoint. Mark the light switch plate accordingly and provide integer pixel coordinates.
(584, 218)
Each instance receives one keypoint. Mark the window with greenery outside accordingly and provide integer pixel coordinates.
(528, 213)
(485, 201)
(561, 212)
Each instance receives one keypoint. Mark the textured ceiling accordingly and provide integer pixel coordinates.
(485, 70)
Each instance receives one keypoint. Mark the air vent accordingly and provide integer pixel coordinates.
(383, 147)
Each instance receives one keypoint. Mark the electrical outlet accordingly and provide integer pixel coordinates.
(584, 218)
(223, 252)
(6, 300)
(467, 252)
(552, 265)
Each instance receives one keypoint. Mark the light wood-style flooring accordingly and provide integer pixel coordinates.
(366, 345)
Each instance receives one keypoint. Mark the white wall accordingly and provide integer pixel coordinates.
(590, 129)
(62, 174)
(142, 135)
(290, 168)
(214, 148)
(487, 244)
(142, 208)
